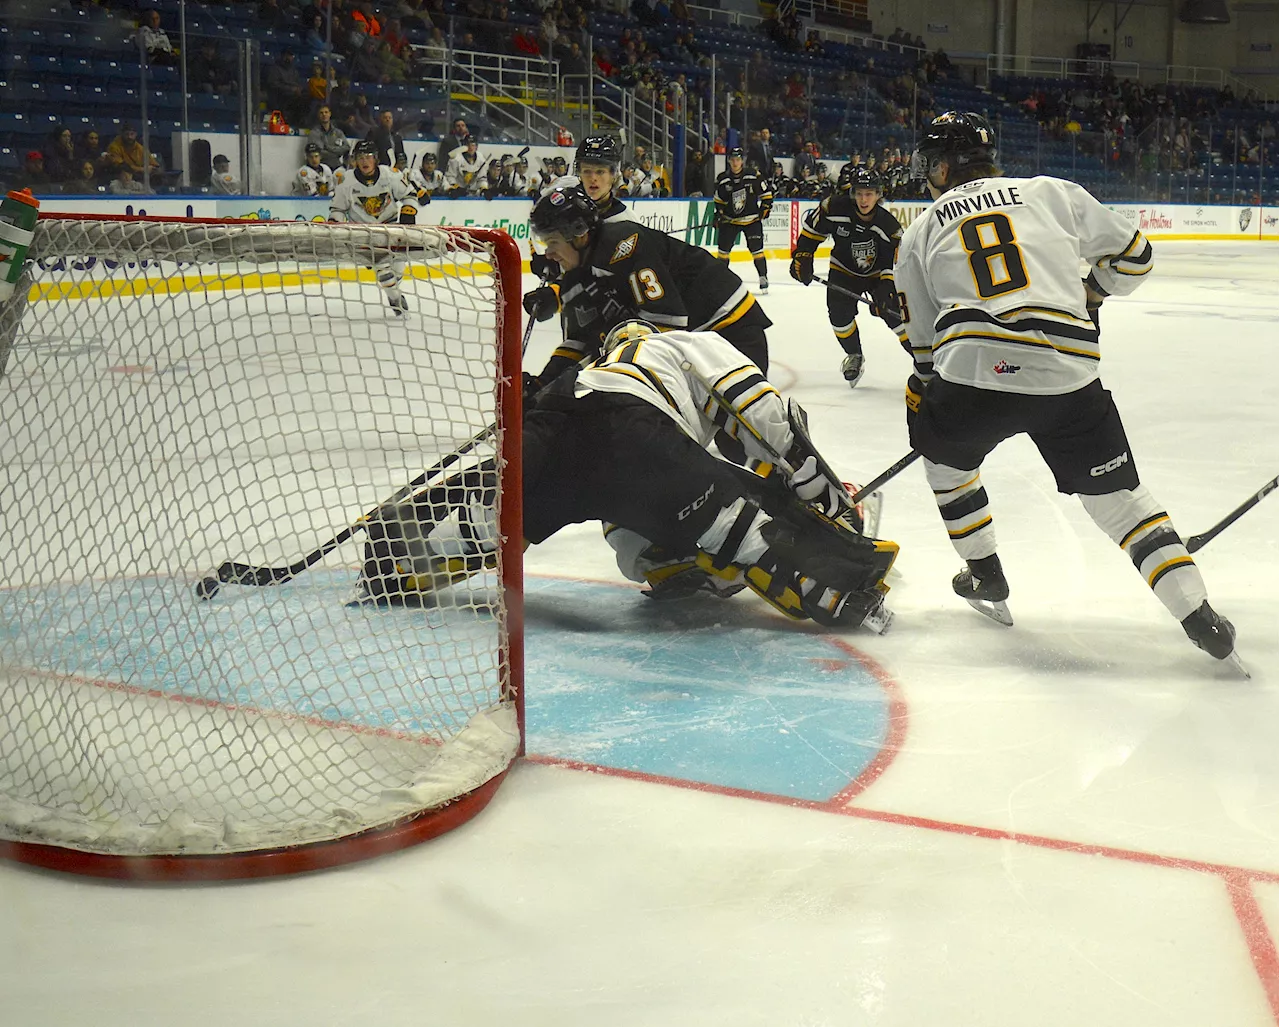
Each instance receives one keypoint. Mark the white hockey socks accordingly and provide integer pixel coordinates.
(962, 502)
(1134, 521)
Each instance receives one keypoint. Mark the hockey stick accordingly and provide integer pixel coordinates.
(1198, 542)
(889, 472)
(231, 572)
(234, 573)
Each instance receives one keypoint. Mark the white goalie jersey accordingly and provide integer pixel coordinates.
(316, 181)
(653, 369)
(384, 198)
(992, 280)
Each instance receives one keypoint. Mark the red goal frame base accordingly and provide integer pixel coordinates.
(298, 859)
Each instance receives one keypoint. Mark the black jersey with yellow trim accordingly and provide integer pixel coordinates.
(744, 198)
(864, 247)
(630, 271)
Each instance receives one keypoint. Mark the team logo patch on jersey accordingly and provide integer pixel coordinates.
(1004, 367)
(625, 248)
(739, 199)
(864, 255)
(373, 204)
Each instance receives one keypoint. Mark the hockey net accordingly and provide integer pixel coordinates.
(180, 393)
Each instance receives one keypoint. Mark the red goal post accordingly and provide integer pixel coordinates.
(180, 391)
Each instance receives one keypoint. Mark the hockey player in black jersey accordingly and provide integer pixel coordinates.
(597, 165)
(743, 203)
(864, 244)
(615, 271)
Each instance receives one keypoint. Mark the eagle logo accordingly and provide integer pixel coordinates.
(1246, 215)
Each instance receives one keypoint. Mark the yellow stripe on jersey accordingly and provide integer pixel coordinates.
(1021, 340)
(1168, 565)
(736, 314)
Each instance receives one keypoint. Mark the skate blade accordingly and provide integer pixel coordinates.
(878, 620)
(998, 612)
(1235, 661)
(872, 506)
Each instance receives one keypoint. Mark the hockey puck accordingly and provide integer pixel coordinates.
(207, 588)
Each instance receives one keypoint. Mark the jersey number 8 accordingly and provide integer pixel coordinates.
(994, 257)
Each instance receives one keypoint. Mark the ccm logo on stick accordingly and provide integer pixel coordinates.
(1110, 465)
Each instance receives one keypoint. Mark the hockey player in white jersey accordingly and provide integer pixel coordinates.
(427, 180)
(314, 178)
(374, 194)
(465, 174)
(990, 273)
(624, 440)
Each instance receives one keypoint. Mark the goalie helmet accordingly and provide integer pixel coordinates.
(566, 212)
(628, 331)
(598, 151)
(961, 138)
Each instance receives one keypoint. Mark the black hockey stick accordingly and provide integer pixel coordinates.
(889, 472)
(231, 572)
(1198, 542)
(234, 573)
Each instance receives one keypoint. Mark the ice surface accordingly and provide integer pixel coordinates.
(1076, 823)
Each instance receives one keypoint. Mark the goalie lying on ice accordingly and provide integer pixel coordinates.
(624, 440)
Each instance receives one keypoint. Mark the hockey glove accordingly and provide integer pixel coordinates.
(802, 266)
(543, 303)
(915, 393)
(811, 485)
(1092, 302)
(765, 212)
(543, 266)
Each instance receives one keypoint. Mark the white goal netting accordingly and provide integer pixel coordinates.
(176, 395)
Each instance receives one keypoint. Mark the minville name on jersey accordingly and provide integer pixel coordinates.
(1005, 197)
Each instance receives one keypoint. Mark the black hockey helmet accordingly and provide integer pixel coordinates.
(365, 148)
(860, 176)
(734, 151)
(566, 212)
(311, 148)
(961, 138)
(428, 157)
(599, 151)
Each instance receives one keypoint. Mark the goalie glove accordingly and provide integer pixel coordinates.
(802, 266)
(810, 484)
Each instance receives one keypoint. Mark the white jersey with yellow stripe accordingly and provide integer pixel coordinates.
(991, 275)
(653, 369)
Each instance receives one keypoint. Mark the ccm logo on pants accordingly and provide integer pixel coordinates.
(695, 505)
(1110, 465)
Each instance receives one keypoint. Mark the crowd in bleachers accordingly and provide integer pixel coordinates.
(356, 57)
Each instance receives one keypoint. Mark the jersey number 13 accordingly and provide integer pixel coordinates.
(994, 257)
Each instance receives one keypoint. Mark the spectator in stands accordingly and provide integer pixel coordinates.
(282, 83)
(452, 142)
(390, 67)
(86, 180)
(365, 66)
(124, 184)
(313, 40)
(126, 151)
(317, 85)
(207, 72)
(389, 142)
(603, 64)
(329, 137)
(367, 20)
(61, 163)
(395, 39)
(33, 175)
(760, 153)
(435, 56)
(525, 43)
(223, 181)
(90, 149)
(154, 40)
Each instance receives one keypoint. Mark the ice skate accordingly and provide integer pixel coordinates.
(764, 286)
(399, 305)
(983, 586)
(1214, 634)
(852, 367)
